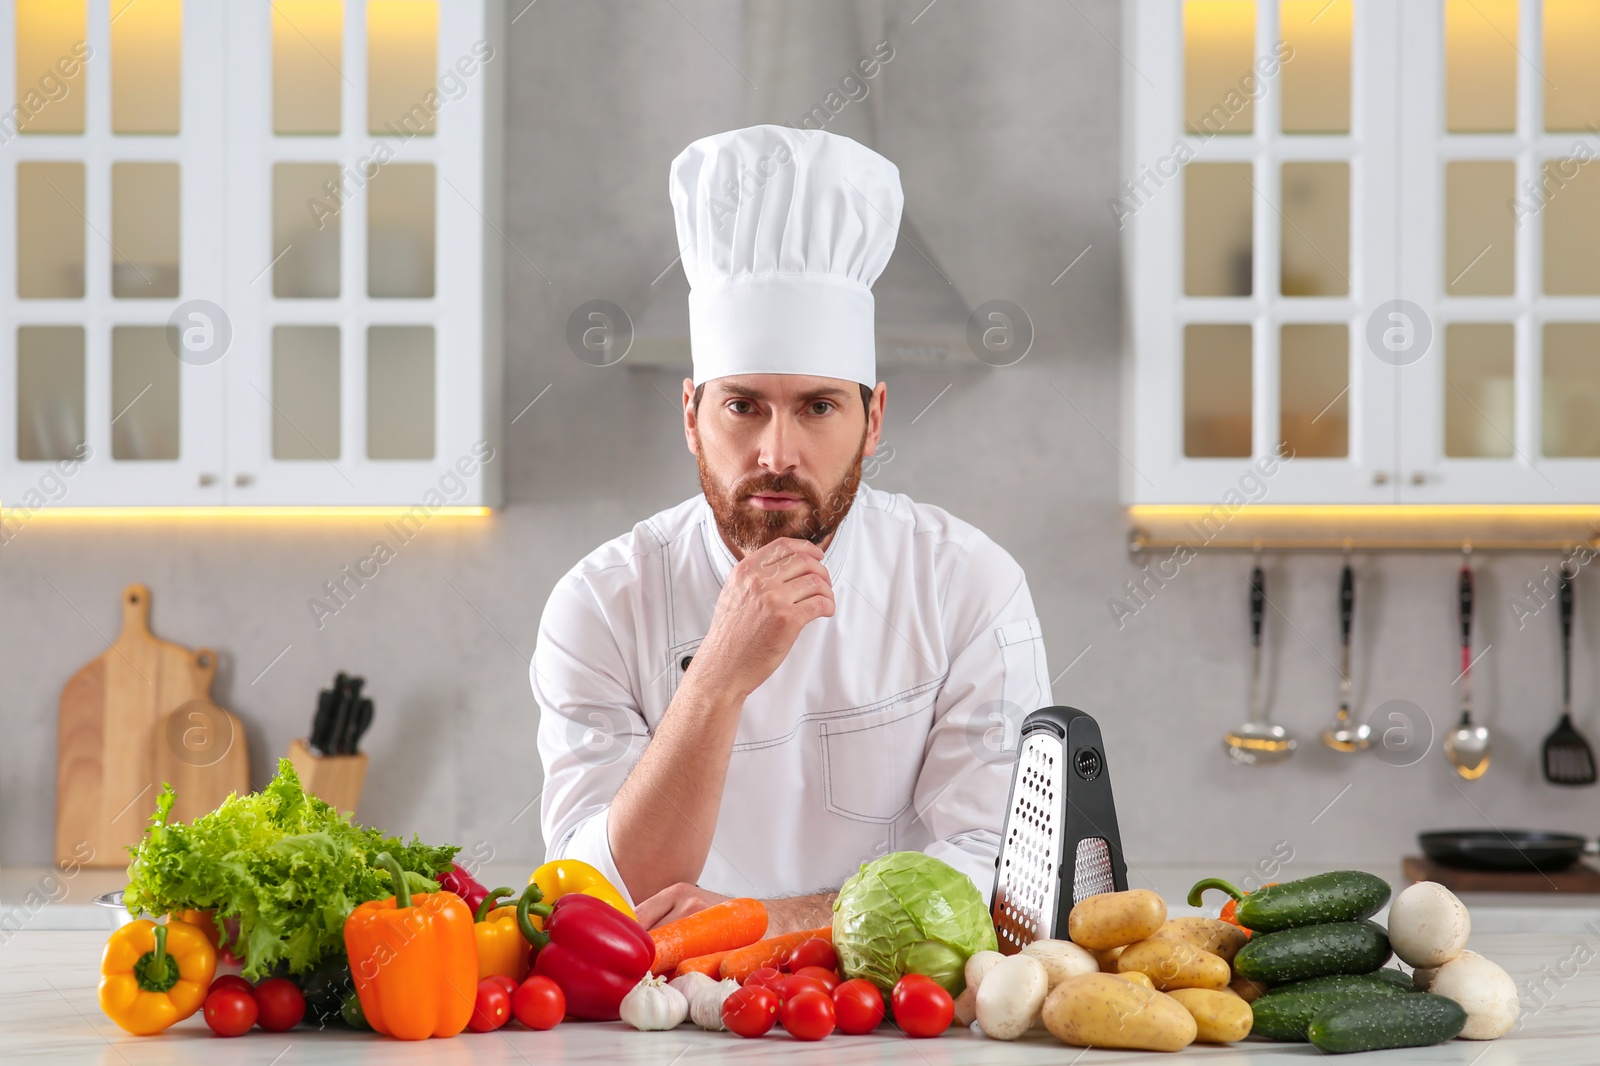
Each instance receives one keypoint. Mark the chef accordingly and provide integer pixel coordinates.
(791, 673)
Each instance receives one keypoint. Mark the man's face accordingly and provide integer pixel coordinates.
(780, 454)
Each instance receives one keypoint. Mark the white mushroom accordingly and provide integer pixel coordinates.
(1062, 959)
(1428, 925)
(1485, 991)
(1010, 996)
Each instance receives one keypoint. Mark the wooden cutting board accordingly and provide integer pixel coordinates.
(106, 729)
(200, 750)
(1579, 877)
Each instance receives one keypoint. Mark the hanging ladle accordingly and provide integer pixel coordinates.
(1346, 734)
(1257, 742)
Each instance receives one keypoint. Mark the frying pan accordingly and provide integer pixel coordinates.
(1493, 849)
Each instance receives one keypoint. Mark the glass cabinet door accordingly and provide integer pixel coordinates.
(112, 188)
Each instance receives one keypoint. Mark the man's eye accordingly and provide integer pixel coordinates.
(736, 405)
(825, 406)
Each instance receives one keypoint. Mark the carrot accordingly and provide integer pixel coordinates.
(730, 924)
(710, 965)
(769, 952)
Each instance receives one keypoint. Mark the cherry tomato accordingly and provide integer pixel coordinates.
(813, 952)
(539, 1003)
(230, 1012)
(232, 980)
(858, 1006)
(281, 1004)
(492, 1009)
(766, 977)
(795, 984)
(807, 1015)
(507, 983)
(830, 978)
(921, 1006)
(750, 1011)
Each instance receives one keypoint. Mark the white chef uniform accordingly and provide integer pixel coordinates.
(891, 725)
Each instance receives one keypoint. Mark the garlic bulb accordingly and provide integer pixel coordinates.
(653, 1004)
(691, 983)
(706, 1006)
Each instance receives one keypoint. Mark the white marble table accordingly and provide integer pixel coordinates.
(48, 1014)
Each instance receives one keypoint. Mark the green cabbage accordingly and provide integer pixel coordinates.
(910, 913)
(288, 866)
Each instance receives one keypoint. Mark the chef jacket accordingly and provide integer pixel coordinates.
(890, 726)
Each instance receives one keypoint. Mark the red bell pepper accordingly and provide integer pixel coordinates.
(591, 950)
(458, 880)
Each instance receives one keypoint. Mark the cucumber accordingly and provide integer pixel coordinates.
(1341, 896)
(1286, 1015)
(1386, 1022)
(1390, 980)
(1313, 951)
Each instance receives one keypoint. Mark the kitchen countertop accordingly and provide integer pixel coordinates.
(48, 1013)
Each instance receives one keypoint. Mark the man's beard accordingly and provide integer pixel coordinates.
(748, 527)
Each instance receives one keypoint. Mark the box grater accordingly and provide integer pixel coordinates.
(1060, 841)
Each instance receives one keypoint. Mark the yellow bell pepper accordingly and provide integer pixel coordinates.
(502, 949)
(152, 976)
(561, 877)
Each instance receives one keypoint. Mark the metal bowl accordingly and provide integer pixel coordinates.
(116, 914)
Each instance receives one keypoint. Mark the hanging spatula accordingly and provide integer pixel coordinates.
(1060, 841)
(1567, 758)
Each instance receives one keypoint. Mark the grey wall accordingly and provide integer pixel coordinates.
(1015, 110)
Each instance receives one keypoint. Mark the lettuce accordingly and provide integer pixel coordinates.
(288, 866)
(910, 913)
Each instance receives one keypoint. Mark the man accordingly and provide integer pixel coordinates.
(758, 690)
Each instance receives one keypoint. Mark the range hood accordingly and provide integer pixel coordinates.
(793, 57)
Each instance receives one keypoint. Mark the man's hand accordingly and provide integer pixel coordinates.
(769, 596)
(674, 902)
(789, 914)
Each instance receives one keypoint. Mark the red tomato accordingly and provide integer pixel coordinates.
(281, 1004)
(507, 983)
(766, 977)
(492, 1009)
(858, 1005)
(921, 1006)
(232, 980)
(808, 1014)
(230, 1012)
(830, 978)
(794, 984)
(813, 952)
(750, 1011)
(539, 1003)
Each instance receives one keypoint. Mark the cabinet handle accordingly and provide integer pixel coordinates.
(1418, 477)
(207, 480)
(1380, 477)
(243, 480)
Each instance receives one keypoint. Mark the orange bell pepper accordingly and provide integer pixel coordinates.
(154, 975)
(1229, 907)
(414, 960)
(502, 949)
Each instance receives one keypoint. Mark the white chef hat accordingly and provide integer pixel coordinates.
(783, 231)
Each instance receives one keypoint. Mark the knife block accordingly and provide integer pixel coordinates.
(334, 779)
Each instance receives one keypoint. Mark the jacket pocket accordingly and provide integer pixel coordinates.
(871, 762)
(1025, 684)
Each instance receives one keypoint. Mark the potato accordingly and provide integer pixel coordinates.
(1219, 1017)
(1175, 964)
(979, 963)
(1248, 990)
(1485, 991)
(1102, 1010)
(1010, 997)
(1208, 934)
(966, 1006)
(1428, 925)
(1062, 959)
(1139, 979)
(1112, 919)
(1107, 958)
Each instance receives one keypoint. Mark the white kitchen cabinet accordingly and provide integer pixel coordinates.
(332, 173)
(1295, 168)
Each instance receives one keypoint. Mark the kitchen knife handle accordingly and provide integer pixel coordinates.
(1258, 604)
(1347, 603)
